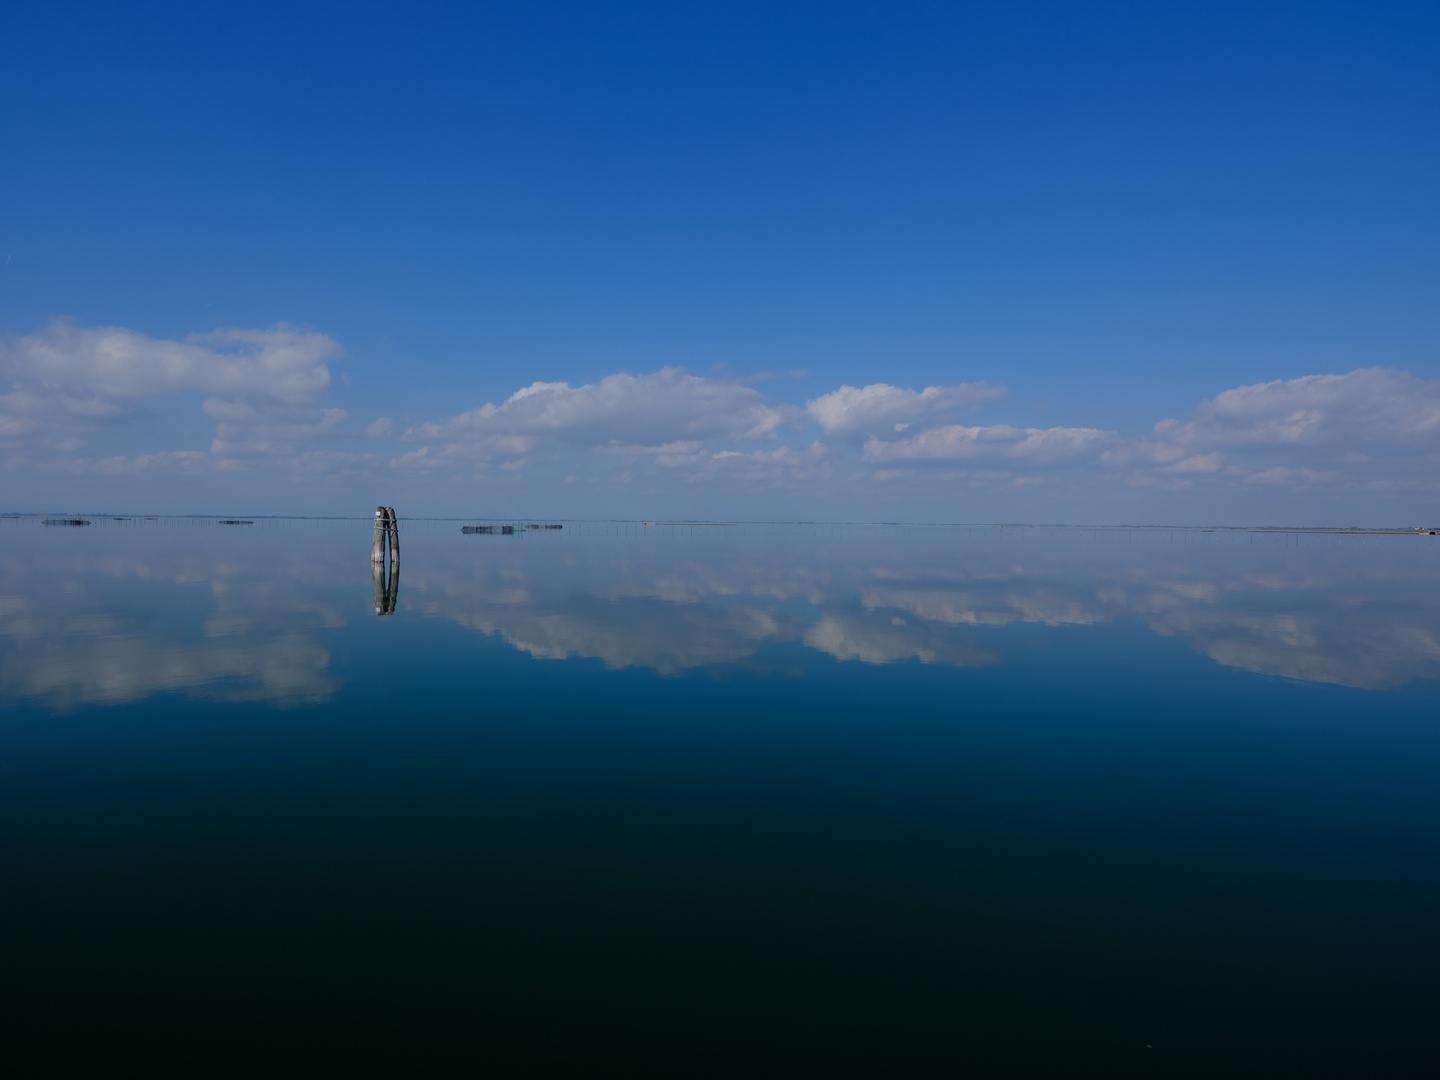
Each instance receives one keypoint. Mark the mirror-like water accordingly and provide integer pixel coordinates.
(891, 799)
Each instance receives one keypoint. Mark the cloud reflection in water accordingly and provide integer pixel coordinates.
(116, 615)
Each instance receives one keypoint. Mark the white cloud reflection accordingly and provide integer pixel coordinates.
(127, 619)
(118, 615)
(1359, 623)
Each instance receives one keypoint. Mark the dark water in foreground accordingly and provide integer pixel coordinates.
(752, 800)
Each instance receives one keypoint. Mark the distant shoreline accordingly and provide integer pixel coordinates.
(1354, 530)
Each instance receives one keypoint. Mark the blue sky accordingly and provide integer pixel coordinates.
(280, 258)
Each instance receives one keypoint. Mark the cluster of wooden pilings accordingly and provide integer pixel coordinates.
(387, 534)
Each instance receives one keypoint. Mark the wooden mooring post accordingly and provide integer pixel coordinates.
(377, 546)
(387, 534)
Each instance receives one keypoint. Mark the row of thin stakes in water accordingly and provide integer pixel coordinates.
(506, 530)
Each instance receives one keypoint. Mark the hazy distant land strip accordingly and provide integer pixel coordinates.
(206, 519)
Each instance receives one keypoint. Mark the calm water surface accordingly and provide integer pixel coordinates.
(758, 799)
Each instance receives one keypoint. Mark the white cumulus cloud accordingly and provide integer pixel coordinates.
(1372, 427)
(263, 386)
(996, 443)
(1370, 412)
(111, 363)
(65, 389)
(880, 406)
(622, 414)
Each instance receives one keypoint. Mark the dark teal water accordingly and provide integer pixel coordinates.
(783, 800)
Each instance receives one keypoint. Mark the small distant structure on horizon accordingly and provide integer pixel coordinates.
(504, 530)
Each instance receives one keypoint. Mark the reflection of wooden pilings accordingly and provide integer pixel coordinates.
(394, 525)
(377, 546)
(387, 587)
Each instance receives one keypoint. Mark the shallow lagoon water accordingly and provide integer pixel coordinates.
(806, 799)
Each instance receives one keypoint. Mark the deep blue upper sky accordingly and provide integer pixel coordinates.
(1115, 210)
